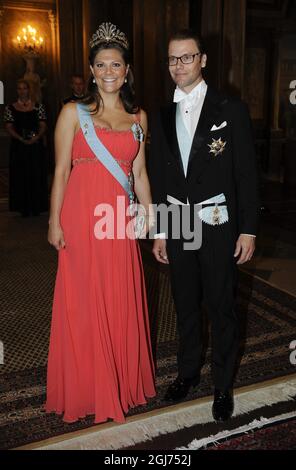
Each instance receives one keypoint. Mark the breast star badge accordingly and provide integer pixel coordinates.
(217, 146)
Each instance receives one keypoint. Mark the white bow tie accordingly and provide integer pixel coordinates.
(179, 95)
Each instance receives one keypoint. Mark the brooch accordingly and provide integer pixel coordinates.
(85, 127)
(138, 132)
(217, 146)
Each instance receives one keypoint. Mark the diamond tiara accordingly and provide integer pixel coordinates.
(108, 32)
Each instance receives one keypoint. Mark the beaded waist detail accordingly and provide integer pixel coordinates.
(77, 161)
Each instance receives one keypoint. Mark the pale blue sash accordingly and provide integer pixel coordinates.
(100, 151)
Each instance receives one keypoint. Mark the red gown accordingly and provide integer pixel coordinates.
(100, 359)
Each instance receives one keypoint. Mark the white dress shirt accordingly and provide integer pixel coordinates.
(190, 105)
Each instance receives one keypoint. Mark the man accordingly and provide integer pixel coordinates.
(202, 153)
(78, 89)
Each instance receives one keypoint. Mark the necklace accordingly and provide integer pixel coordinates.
(25, 104)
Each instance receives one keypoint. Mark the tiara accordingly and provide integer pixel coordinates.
(108, 32)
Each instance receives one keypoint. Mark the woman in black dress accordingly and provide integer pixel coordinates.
(25, 121)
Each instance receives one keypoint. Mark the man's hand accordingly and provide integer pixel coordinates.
(159, 251)
(245, 247)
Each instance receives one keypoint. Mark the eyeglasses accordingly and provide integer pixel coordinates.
(185, 59)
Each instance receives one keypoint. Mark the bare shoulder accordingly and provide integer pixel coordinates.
(69, 109)
(143, 115)
(68, 115)
(143, 118)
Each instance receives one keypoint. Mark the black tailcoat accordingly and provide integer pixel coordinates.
(209, 273)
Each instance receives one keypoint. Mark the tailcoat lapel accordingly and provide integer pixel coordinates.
(169, 126)
(199, 157)
(209, 113)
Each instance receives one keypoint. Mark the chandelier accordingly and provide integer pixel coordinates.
(29, 42)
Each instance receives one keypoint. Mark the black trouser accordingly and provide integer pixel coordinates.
(207, 274)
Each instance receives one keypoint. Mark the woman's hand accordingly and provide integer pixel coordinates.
(64, 135)
(56, 236)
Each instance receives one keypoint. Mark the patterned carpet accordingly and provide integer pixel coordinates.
(280, 436)
(28, 266)
(209, 435)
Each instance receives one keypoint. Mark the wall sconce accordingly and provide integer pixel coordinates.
(29, 42)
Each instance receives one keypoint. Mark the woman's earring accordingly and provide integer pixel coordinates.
(125, 80)
(94, 81)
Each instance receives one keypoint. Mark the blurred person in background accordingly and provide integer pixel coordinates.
(25, 122)
(78, 89)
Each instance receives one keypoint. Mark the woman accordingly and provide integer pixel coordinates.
(26, 124)
(100, 359)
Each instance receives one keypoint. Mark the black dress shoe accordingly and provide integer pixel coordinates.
(179, 388)
(223, 405)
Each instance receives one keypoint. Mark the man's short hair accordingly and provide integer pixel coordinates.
(189, 34)
(77, 75)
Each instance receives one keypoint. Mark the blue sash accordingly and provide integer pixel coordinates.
(100, 151)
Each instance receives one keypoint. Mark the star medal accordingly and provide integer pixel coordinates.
(217, 146)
